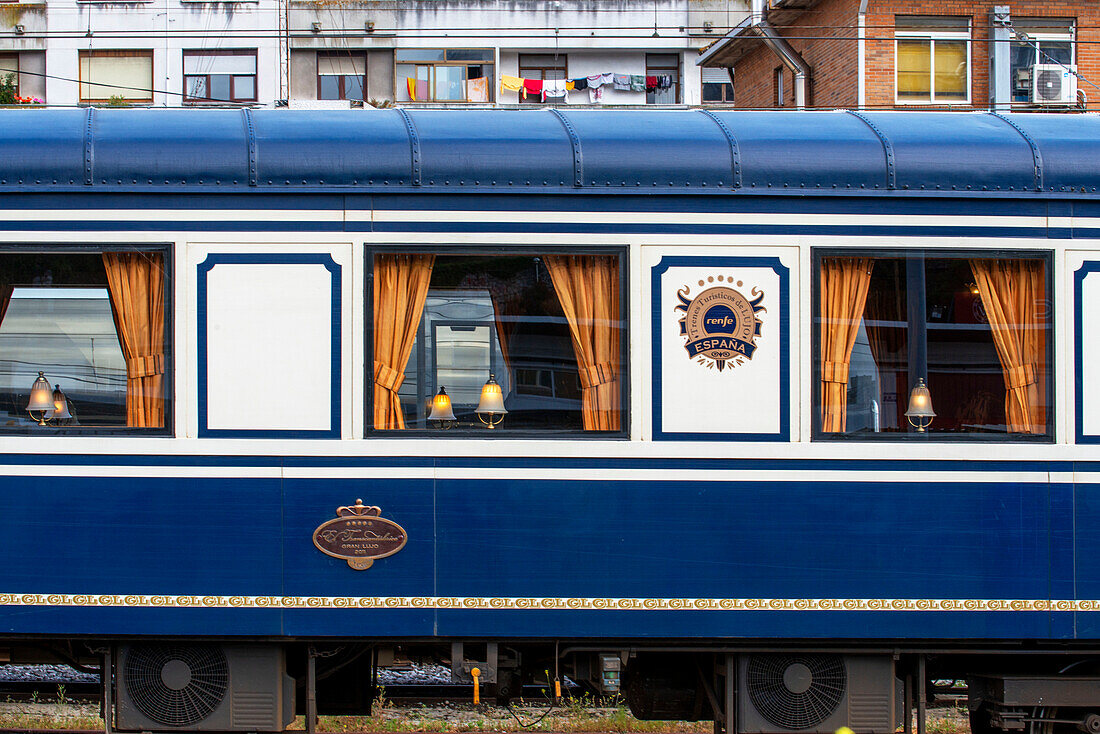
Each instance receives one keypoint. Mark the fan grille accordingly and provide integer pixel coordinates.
(810, 703)
(1049, 84)
(204, 682)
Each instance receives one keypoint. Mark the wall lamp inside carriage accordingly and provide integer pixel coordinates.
(51, 406)
(920, 413)
(490, 409)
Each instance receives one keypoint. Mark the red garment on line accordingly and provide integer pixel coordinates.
(533, 86)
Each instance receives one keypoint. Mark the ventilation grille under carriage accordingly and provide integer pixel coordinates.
(202, 687)
(796, 691)
(176, 686)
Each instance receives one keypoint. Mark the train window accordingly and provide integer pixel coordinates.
(90, 327)
(973, 328)
(547, 329)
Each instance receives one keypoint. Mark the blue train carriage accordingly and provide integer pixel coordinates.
(765, 418)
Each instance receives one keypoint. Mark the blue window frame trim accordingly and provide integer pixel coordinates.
(784, 434)
(334, 269)
(1087, 267)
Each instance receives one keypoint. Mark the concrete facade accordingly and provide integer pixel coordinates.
(286, 36)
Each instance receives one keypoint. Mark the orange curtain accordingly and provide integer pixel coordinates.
(1012, 292)
(136, 284)
(842, 295)
(588, 289)
(400, 289)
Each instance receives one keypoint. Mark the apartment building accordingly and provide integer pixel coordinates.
(343, 52)
(906, 54)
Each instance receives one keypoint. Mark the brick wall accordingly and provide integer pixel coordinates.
(825, 36)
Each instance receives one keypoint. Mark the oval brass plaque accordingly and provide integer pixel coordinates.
(360, 536)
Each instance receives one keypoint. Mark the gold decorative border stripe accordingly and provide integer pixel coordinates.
(549, 603)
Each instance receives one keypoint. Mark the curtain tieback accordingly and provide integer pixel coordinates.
(146, 365)
(835, 372)
(387, 377)
(1022, 376)
(599, 374)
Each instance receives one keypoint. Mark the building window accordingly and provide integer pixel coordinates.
(975, 327)
(93, 323)
(717, 86)
(665, 70)
(778, 88)
(341, 75)
(549, 329)
(933, 60)
(126, 75)
(9, 66)
(219, 76)
(547, 67)
(444, 75)
(1038, 41)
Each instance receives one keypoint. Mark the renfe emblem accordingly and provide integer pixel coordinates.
(720, 324)
(360, 536)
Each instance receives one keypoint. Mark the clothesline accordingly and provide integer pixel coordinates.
(477, 89)
(554, 88)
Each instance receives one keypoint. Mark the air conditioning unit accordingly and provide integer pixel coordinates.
(1053, 84)
(167, 687)
(816, 692)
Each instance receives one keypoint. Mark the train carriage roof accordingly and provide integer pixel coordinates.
(548, 150)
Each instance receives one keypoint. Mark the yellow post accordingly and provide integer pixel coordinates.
(476, 673)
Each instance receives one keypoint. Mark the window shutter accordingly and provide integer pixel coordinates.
(716, 75)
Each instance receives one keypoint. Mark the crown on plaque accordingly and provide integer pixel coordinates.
(359, 509)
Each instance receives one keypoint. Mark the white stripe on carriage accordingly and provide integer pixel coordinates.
(730, 218)
(174, 215)
(502, 603)
(543, 217)
(524, 474)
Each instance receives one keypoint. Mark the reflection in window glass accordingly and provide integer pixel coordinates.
(974, 328)
(547, 329)
(69, 335)
(94, 326)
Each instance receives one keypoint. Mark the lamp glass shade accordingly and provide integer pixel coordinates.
(920, 402)
(41, 395)
(441, 407)
(60, 404)
(492, 399)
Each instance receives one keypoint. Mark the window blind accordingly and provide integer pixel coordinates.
(341, 65)
(219, 64)
(128, 76)
(716, 75)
